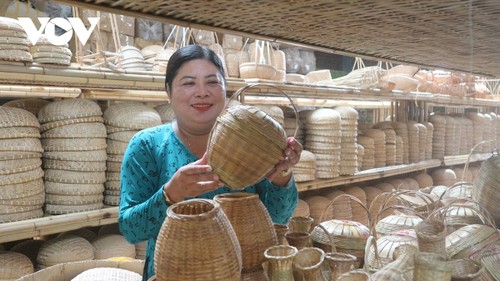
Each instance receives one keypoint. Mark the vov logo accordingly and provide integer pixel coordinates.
(48, 28)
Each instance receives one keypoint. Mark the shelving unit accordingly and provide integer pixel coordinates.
(104, 84)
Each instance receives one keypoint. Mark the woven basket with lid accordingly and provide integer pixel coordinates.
(131, 115)
(68, 109)
(245, 144)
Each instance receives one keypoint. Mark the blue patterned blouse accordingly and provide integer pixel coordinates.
(152, 157)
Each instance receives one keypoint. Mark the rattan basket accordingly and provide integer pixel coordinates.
(68, 109)
(245, 143)
(251, 223)
(197, 242)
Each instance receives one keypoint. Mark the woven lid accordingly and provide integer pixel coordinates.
(17, 117)
(14, 265)
(111, 200)
(78, 130)
(22, 177)
(13, 191)
(91, 155)
(74, 144)
(124, 136)
(28, 248)
(16, 55)
(347, 112)
(89, 166)
(19, 132)
(70, 209)
(57, 199)
(23, 215)
(323, 116)
(19, 165)
(133, 115)
(32, 105)
(68, 109)
(72, 189)
(7, 23)
(107, 274)
(64, 249)
(76, 177)
(112, 245)
(166, 112)
(51, 125)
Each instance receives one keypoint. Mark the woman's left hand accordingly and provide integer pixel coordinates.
(292, 156)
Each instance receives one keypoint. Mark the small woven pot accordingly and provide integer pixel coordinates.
(308, 263)
(431, 236)
(197, 242)
(245, 144)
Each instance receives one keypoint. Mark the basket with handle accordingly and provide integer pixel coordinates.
(342, 235)
(245, 143)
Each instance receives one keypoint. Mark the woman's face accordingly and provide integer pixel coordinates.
(198, 94)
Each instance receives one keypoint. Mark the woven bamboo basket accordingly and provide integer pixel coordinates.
(466, 270)
(14, 265)
(32, 105)
(355, 275)
(486, 187)
(197, 242)
(68, 109)
(245, 143)
(251, 223)
(431, 236)
(431, 266)
(342, 235)
(308, 263)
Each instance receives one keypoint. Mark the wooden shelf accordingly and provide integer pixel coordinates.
(384, 172)
(462, 159)
(103, 83)
(19, 230)
(59, 223)
(370, 174)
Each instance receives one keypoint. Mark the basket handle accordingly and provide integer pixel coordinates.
(353, 198)
(330, 237)
(242, 90)
(484, 215)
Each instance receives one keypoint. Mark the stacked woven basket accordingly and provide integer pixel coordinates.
(21, 185)
(349, 130)
(74, 158)
(14, 42)
(45, 52)
(324, 138)
(123, 121)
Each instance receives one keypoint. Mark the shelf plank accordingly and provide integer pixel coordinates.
(56, 224)
(462, 159)
(87, 78)
(370, 174)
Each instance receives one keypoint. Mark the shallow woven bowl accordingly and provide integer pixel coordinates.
(244, 146)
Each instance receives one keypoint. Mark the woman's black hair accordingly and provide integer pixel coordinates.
(186, 54)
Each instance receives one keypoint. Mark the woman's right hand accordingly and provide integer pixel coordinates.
(192, 180)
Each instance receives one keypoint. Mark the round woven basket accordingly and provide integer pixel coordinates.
(17, 117)
(68, 109)
(486, 187)
(63, 249)
(257, 70)
(131, 115)
(245, 143)
(14, 265)
(197, 242)
(112, 245)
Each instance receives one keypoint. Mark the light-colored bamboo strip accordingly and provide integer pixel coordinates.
(152, 96)
(56, 224)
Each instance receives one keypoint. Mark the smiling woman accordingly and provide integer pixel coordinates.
(167, 164)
